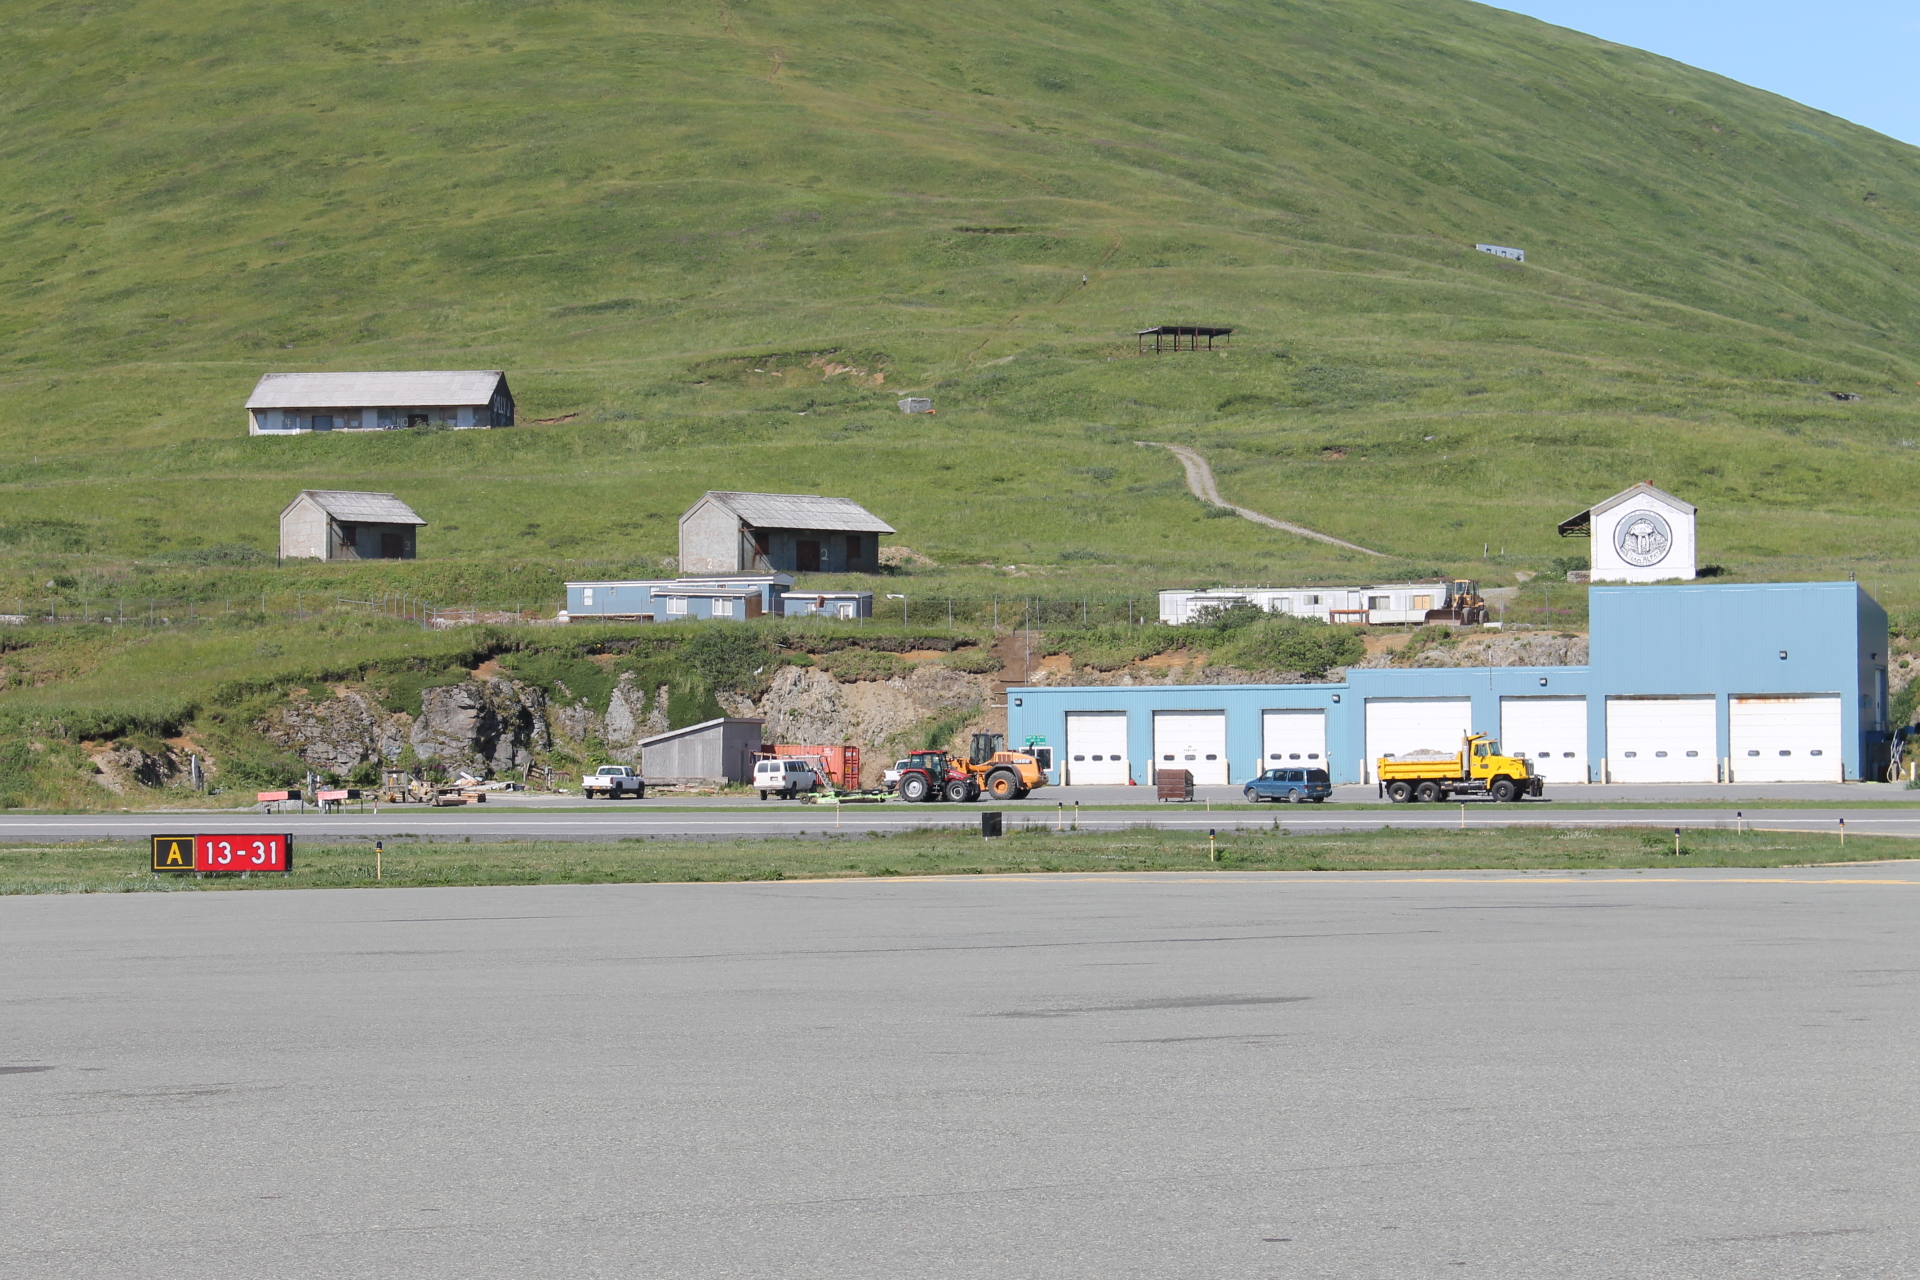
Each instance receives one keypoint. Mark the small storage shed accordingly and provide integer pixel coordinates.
(294, 403)
(827, 604)
(1642, 534)
(726, 532)
(337, 524)
(715, 752)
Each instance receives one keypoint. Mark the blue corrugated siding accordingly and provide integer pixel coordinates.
(1723, 640)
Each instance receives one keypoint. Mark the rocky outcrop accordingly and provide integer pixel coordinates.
(632, 715)
(483, 726)
(338, 734)
(807, 705)
(122, 768)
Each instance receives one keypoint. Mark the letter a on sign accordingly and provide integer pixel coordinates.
(173, 853)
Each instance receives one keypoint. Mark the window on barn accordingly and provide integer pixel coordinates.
(1379, 602)
(723, 608)
(853, 546)
(806, 555)
(586, 597)
(1423, 602)
(677, 606)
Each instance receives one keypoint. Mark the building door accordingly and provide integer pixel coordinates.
(1785, 739)
(806, 555)
(1192, 740)
(393, 544)
(1551, 733)
(1399, 726)
(1662, 740)
(1096, 749)
(1293, 739)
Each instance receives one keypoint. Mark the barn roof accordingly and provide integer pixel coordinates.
(1580, 524)
(428, 389)
(798, 511)
(359, 508)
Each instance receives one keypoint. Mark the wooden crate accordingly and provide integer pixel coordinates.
(1174, 784)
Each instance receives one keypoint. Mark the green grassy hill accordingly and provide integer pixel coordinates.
(719, 239)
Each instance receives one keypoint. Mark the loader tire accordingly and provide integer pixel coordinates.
(1003, 784)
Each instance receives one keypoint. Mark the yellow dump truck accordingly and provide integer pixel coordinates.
(1479, 770)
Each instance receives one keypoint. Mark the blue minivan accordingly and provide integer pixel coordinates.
(1291, 785)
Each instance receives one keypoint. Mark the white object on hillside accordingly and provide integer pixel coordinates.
(1502, 251)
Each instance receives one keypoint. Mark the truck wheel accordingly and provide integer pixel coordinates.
(1400, 792)
(1003, 785)
(1429, 793)
(763, 794)
(914, 788)
(1253, 797)
(1504, 790)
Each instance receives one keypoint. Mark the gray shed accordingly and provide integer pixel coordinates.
(716, 751)
(293, 403)
(338, 524)
(728, 532)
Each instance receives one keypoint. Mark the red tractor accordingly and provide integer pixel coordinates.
(931, 775)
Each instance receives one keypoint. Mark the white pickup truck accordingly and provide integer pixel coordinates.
(613, 781)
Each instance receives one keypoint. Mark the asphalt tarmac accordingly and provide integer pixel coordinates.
(619, 821)
(1705, 1074)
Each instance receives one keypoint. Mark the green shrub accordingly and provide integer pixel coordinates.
(852, 665)
(728, 656)
(1291, 644)
(977, 662)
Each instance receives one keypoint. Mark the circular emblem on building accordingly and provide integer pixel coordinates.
(1643, 539)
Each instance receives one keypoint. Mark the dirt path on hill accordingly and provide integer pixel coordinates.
(1201, 484)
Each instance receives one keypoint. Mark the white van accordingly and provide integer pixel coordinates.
(787, 777)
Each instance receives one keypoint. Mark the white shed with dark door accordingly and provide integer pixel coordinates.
(728, 532)
(339, 524)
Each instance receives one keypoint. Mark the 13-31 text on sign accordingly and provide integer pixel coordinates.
(223, 852)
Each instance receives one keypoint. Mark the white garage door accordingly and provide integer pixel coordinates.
(1096, 748)
(1396, 726)
(1785, 739)
(1662, 740)
(1192, 740)
(1293, 740)
(1550, 732)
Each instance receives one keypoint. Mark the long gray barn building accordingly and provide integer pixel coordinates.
(726, 532)
(296, 403)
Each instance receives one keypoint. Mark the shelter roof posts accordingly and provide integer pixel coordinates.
(1191, 332)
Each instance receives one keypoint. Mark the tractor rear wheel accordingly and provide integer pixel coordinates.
(1003, 784)
(915, 787)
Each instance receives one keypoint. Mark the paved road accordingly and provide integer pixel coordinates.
(1659, 1075)
(616, 822)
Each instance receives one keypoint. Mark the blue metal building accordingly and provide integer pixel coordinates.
(1684, 683)
(746, 595)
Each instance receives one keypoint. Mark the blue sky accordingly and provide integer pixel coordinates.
(1852, 58)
